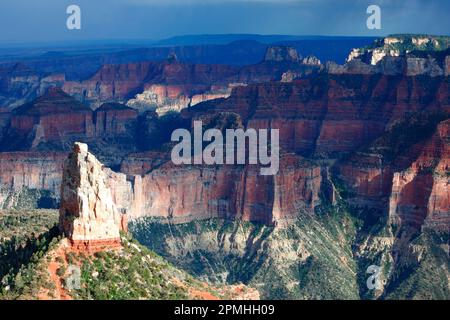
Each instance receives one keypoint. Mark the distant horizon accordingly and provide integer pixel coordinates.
(157, 42)
(131, 41)
(26, 22)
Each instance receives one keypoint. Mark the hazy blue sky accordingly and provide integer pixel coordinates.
(45, 20)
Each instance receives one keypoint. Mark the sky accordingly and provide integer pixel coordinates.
(44, 21)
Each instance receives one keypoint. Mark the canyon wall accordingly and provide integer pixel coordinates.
(22, 171)
(186, 193)
(55, 120)
(320, 117)
(326, 115)
(171, 86)
(20, 84)
(412, 188)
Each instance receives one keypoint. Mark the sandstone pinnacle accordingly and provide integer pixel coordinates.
(89, 218)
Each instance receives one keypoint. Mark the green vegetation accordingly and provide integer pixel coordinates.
(405, 43)
(320, 256)
(30, 245)
(28, 199)
(309, 258)
(24, 223)
(422, 270)
(23, 265)
(25, 236)
(134, 273)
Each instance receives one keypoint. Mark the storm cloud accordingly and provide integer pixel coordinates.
(24, 21)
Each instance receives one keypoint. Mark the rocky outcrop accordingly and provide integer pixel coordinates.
(56, 120)
(54, 116)
(281, 53)
(89, 217)
(311, 60)
(395, 46)
(152, 186)
(398, 55)
(115, 120)
(167, 98)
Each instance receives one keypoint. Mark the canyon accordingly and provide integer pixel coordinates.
(363, 177)
(317, 118)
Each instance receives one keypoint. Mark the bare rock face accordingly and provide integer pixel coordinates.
(189, 193)
(413, 188)
(420, 66)
(51, 118)
(32, 171)
(289, 76)
(115, 120)
(88, 216)
(402, 55)
(281, 53)
(346, 113)
(311, 60)
(166, 98)
(20, 84)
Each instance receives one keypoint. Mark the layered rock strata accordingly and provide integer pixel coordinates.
(89, 217)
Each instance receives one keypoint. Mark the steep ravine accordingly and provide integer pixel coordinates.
(314, 257)
(309, 258)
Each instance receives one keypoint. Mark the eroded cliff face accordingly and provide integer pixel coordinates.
(55, 121)
(319, 117)
(326, 115)
(170, 98)
(30, 179)
(120, 83)
(186, 193)
(53, 117)
(116, 121)
(182, 194)
(172, 86)
(387, 206)
(411, 186)
(399, 55)
(89, 218)
(420, 193)
(20, 84)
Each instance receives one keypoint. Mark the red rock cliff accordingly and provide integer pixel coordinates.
(413, 188)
